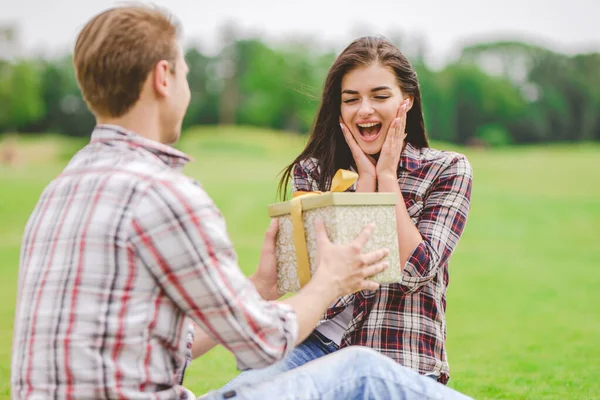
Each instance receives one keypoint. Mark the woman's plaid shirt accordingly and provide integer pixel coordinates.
(407, 320)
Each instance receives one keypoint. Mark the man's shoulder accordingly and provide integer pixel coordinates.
(123, 171)
(119, 159)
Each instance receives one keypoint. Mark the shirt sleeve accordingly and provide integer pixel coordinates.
(441, 224)
(181, 237)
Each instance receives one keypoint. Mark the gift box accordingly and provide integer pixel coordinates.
(345, 215)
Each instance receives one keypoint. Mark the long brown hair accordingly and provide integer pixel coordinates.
(326, 142)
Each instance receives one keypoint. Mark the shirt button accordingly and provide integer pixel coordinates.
(229, 394)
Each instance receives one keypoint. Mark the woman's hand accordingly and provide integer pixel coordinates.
(265, 277)
(367, 174)
(387, 165)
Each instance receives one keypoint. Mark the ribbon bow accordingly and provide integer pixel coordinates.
(342, 180)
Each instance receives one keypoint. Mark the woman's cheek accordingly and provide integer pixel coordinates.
(346, 114)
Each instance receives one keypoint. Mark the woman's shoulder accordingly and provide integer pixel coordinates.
(307, 166)
(308, 163)
(306, 175)
(458, 162)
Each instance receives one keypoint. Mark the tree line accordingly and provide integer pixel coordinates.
(494, 94)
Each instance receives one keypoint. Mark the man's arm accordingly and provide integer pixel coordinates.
(337, 274)
(182, 239)
(203, 342)
(316, 294)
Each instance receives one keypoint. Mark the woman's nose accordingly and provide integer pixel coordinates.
(366, 109)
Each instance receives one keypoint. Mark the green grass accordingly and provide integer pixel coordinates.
(523, 302)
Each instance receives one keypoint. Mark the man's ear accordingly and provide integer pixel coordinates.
(160, 74)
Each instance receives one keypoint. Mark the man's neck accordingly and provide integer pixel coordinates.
(143, 123)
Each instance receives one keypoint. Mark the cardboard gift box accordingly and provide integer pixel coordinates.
(345, 214)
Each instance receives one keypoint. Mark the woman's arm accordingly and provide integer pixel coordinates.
(428, 245)
(409, 236)
(202, 342)
(440, 225)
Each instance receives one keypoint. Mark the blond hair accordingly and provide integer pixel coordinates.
(115, 52)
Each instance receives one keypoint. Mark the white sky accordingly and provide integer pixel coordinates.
(568, 26)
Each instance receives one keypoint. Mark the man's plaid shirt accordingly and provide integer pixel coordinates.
(406, 320)
(120, 255)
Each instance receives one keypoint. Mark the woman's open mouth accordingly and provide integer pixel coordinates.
(369, 131)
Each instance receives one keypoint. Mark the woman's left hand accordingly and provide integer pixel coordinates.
(387, 165)
(265, 277)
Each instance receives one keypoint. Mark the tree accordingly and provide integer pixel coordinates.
(20, 92)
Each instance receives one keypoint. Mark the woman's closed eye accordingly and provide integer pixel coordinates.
(381, 97)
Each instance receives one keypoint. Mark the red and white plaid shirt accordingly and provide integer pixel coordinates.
(406, 320)
(120, 255)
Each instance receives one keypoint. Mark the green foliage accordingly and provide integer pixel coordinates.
(203, 108)
(493, 135)
(534, 94)
(278, 87)
(562, 93)
(20, 92)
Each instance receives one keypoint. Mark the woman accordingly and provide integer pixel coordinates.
(370, 120)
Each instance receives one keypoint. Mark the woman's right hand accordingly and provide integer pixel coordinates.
(367, 175)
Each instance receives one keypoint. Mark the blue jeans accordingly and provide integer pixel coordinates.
(352, 373)
(312, 348)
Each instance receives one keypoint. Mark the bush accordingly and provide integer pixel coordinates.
(493, 135)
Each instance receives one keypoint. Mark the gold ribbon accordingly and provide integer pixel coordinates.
(341, 181)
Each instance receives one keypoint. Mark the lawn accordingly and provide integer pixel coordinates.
(523, 302)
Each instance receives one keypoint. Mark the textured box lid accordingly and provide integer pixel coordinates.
(335, 199)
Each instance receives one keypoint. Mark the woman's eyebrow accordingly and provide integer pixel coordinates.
(376, 89)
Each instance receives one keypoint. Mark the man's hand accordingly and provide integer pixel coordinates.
(341, 270)
(265, 277)
(344, 268)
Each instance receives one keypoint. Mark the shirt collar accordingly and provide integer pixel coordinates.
(167, 154)
(410, 159)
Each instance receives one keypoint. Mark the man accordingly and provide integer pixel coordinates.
(124, 257)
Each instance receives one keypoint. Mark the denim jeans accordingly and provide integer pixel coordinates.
(352, 373)
(312, 348)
